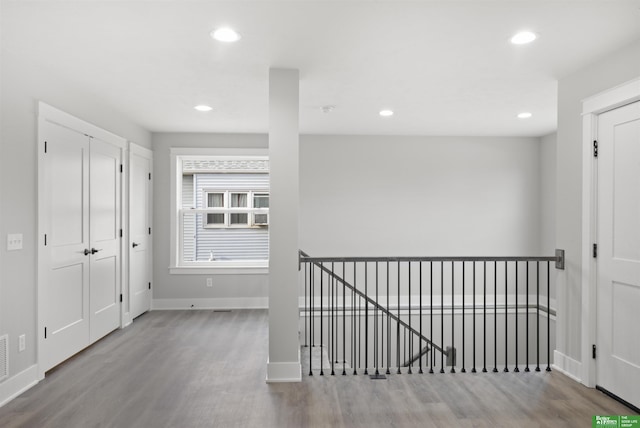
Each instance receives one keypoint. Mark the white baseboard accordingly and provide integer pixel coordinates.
(16, 385)
(215, 303)
(284, 372)
(567, 366)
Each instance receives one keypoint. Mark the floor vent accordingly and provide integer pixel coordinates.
(4, 357)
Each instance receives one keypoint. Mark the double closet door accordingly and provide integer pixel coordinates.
(81, 232)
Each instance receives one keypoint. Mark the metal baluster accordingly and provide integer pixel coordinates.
(506, 315)
(375, 328)
(537, 316)
(442, 314)
(433, 357)
(366, 319)
(344, 320)
(516, 339)
(420, 339)
(359, 325)
(526, 369)
(453, 330)
(463, 369)
(321, 316)
(548, 319)
(382, 338)
(398, 347)
(388, 326)
(399, 318)
(332, 335)
(484, 312)
(353, 321)
(310, 266)
(473, 370)
(495, 317)
(410, 337)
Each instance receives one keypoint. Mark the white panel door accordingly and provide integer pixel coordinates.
(104, 215)
(65, 284)
(139, 224)
(618, 263)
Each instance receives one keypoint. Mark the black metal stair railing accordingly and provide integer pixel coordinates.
(364, 314)
(378, 311)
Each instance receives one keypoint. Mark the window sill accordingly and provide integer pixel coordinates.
(219, 270)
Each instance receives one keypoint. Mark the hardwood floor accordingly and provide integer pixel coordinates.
(207, 369)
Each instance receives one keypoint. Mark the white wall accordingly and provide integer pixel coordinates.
(385, 196)
(548, 149)
(548, 193)
(23, 84)
(613, 70)
(411, 196)
(188, 288)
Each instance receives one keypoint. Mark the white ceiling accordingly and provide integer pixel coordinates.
(445, 67)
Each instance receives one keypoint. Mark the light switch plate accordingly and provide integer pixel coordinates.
(14, 241)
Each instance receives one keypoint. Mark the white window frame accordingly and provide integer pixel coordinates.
(227, 209)
(176, 263)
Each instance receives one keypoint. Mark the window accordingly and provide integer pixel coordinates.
(221, 221)
(215, 200)
(235, 209)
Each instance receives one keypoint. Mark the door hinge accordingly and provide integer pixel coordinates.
(120, 298)
(149, 176)
(149, 286)
(595, 251)
(45, 332)
(120, 167)
(149, 231)
(593, 351)
(595, 148)
(121, 233)
(45, 147)
(45, 239)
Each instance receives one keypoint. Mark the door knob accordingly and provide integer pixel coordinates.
(135, 244)
(93, 251)
(86, 252)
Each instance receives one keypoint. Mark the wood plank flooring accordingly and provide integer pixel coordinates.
(207, 369)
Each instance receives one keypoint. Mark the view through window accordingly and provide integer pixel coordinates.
(223, 211)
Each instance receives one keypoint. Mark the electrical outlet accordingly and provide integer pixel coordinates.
(22, 342)
(209, 282)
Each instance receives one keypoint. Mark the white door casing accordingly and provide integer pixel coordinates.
(618, 261)
(140, 248)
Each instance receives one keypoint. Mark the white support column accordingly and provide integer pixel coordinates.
(284, 346)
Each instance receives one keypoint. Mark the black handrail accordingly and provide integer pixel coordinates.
(416, 357)
(308, 258)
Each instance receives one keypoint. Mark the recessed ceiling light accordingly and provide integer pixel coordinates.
(523, 38)
(524, 115)
(386, 113)
(203, 107)
(225, 34)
